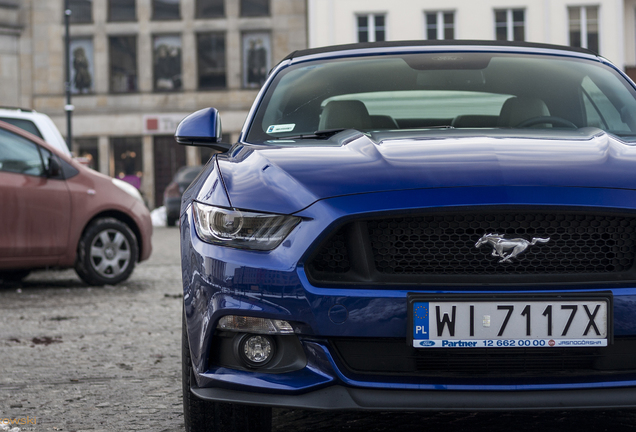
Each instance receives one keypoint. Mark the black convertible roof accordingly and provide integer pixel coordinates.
(415, 43)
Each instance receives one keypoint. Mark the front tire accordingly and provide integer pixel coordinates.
(207, 416)
(107, 252)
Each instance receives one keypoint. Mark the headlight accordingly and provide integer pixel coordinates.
(129, 189)
(241, 229)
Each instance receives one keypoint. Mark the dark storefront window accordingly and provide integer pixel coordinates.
(251, 8)
(169, 157)
(211, 60)
(123, 64)
(210, 9)
(128, 159)
(81, 11)
(165, 10)
(87, 148)
(121, 10)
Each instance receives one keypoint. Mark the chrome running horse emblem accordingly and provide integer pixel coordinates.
(507, 249)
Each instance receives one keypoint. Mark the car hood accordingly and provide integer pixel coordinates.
(286, 176)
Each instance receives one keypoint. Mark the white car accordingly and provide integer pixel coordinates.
(36, 123)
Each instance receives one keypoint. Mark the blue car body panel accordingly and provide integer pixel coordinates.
(288, 179)
(372, 312)
(351, 175)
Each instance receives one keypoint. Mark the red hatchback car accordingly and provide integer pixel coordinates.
(57, 213)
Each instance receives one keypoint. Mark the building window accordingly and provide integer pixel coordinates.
(167, 62)
(165, 10)
(211, 60)
(81, 11)
(87, 148)
(440, 25)
(123, 64)
(82, 68)
(371, 28)
(210, 9)
(583, 23)
(128, 160)
(510, 25)
(256, 59)
(252, 8)
(121, 10)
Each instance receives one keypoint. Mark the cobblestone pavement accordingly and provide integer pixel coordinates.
(79, 358)
(75, 358)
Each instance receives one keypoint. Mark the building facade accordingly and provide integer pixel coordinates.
(605, 26)
(10, 30)
(139, 66)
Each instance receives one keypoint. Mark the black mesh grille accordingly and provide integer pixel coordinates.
(393, 356)
(333, 257)
(444, 246)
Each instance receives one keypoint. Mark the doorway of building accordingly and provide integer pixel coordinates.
(169, 157)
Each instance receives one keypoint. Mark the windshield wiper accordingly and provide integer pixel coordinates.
(319, 134)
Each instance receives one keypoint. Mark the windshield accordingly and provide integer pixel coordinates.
(456, 90)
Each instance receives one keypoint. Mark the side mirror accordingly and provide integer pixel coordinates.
(202, 128)
(55, 168)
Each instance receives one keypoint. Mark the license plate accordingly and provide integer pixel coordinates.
(561, 320)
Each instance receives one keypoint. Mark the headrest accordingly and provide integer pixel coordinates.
(349, 114)
(519, 109)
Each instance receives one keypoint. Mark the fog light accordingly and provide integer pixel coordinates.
(256, 350)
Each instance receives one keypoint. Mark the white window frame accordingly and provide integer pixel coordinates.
(510, 24)
(439, 23)
(371, 25)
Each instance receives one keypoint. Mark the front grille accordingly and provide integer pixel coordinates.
(395, 357)
(442, 248)
(333, 257)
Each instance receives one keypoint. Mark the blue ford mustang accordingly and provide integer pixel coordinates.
(414, 226)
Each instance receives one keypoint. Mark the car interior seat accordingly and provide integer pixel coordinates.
(348, 114)
(475, 121)
(384, 122)
(516, 110)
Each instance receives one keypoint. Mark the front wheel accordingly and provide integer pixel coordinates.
(207, 416)
(107, 252)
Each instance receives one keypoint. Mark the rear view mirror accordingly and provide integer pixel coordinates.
(202, 128)
(55, 169)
